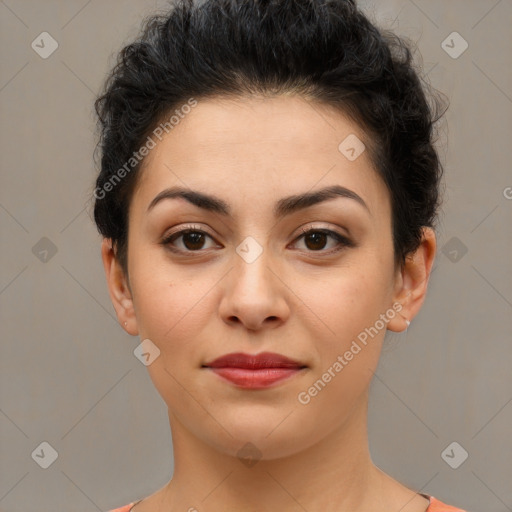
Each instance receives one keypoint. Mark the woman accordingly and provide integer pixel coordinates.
(267, 196)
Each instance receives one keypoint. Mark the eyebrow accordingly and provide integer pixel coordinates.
(283, 207)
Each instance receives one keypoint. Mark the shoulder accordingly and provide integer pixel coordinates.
(439, 506)
(435, 506)
(126, 508)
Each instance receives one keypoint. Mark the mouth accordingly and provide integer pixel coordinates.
(257, 371)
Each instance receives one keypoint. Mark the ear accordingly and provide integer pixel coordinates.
(412, 280)
(119, 288)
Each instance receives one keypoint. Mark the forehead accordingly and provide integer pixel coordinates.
(286, 124)
(259, 147)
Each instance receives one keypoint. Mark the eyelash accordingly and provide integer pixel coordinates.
(343, 241)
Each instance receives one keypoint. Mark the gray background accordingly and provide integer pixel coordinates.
(68, 373)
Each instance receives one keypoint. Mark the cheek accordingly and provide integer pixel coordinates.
(165, 308)
(350, 348)
(350, 304)
(353, 297)
(164, 297)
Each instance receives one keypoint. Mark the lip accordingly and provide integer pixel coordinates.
(254, 371)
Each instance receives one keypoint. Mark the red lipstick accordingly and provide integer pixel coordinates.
(256, 371)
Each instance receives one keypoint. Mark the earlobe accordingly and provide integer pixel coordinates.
(412, 282)
(118, 287)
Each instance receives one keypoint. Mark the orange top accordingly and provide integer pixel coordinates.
(435, 506)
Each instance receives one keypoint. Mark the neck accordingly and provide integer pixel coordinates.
(334, 475)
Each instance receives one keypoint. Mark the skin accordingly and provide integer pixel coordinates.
(295, 299)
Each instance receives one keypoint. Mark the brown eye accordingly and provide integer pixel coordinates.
(315, 240)
(193, 240)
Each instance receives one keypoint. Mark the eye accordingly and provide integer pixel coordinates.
(193, 240)
(315, 240)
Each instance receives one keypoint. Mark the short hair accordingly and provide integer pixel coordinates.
(324, 50)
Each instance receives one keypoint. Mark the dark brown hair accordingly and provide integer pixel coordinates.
(327, 50)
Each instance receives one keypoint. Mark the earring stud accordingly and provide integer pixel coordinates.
(405, 320)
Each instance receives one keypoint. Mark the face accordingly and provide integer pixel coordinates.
(262, 276)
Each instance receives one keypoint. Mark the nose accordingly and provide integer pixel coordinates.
(254, 295)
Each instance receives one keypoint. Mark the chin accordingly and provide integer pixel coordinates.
(262, 439)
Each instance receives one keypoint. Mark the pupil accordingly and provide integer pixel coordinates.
(315, 236)
(195, 238)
